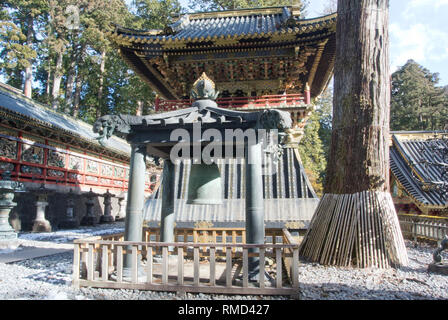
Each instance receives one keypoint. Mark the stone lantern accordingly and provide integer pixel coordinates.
(107, 216)
(70, 220)
(40, 224)
(90, 218)
(7, 189)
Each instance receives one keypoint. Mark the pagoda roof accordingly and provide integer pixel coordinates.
(276, 22)
(408, 154)
(264, 48)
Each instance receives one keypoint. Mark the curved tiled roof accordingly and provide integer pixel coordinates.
(250, 24)
(407, 155)
(15, 104)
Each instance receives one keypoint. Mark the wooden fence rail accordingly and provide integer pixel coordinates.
(208, 267)
(423, 227)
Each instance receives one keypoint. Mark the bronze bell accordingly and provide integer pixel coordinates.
(204, 186)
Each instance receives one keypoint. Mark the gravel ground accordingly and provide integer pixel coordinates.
(49, 278)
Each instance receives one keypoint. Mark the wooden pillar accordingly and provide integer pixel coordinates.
(307, 94)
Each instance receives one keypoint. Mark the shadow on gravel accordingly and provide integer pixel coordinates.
(337, 291)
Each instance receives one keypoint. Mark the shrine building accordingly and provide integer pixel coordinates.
(419, 179)
(56, 155)
(258, 59)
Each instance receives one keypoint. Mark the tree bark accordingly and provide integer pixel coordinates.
(139, 110)
(70, 85)
(47, 86)
(356, 223)
(79, 79)
(27, 89)
(359, 153)
(101, 86)
(57, 81)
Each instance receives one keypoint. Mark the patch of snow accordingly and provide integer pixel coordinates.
(57, 296)
(10, 250)
(65, 236)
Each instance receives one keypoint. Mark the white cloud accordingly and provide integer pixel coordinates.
(413, 9)
(419, 42)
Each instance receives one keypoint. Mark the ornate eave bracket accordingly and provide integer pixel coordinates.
(107, 125)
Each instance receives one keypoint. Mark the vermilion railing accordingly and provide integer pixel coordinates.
(271, 101)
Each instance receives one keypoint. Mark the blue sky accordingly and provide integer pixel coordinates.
(418, 30)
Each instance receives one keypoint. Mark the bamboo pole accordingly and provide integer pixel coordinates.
(359, 229)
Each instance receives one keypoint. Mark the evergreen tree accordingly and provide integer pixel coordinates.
(314, 146)
(312, 153)
(17, 33)
(417, 103)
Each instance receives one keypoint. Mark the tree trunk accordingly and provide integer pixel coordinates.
(70, 85)
(74, 79)
(78, 88)
(101, 86)
(139, 111)
(357, 213)
(57, 81)
(27, 89)
(47, 86)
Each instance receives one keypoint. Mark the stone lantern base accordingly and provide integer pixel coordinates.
(41, 226)
(68, 224)
(441, 268)
(89, 221)
(106, 219)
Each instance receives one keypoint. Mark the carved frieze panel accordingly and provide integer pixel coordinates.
(32, 154)
(32, 170)
(107, 170)
(74, 176)
(119, 172)
(92, 166)
(6, 166)
(105, 181)
(56, 159)
(91, 179)
(8, 148)
(75, 163)
(55, 173)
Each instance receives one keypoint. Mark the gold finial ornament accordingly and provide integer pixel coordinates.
(204, 77)
(204, 88)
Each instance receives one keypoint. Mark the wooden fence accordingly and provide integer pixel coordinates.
(220, 266)
(423, 227)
